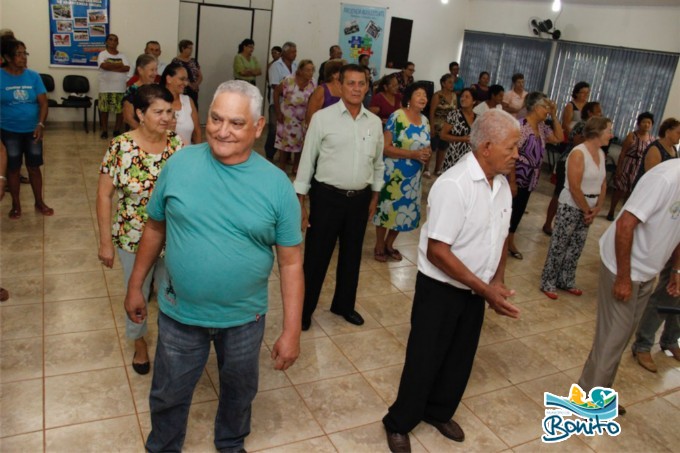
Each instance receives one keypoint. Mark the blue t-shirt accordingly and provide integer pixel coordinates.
(221, 224)
(19, 109)
(459, 84)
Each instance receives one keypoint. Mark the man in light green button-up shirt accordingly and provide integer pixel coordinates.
(342, 170)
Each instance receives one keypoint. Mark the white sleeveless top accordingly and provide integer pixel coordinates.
(185, 125)
(593, 175)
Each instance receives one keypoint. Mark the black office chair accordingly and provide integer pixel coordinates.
(48, 81)
(78, 87)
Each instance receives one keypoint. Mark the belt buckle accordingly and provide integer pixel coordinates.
(350, 193)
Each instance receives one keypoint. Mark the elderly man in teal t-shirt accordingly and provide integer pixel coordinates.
(219, 208)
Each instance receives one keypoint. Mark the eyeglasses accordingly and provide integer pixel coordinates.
(21, 54)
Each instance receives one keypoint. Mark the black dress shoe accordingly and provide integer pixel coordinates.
(398, 443)
(306, 325)
(141, 368)
(354, 318)
(622, 410)
(450, 429)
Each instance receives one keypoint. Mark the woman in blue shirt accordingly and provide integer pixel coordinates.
(23, 111)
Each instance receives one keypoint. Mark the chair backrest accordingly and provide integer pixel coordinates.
(76, 84)
(48, 81)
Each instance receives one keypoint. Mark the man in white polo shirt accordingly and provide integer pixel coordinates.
(633, 251)
(461, 263)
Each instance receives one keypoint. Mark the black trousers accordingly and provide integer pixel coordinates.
(519, 205)
(445, 326)
(269, 149)
(334, 217)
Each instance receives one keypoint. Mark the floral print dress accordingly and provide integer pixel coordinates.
(399, 201)
(290, 134)
(134, 173)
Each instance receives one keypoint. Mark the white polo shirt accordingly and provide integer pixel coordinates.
(279, 71)
(463, 210)
(656, 202)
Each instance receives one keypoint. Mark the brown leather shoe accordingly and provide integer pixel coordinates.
(644, 358)
(398, 443)
(449, 429)
(622, 410)
(673, 350)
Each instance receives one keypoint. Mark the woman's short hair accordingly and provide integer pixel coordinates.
(304, 63)
(666, 125)
(412, 88)
(444, 78)
(645, 116)
(588, 109)
(469, 90)
(184, 43)
(495, 90)
(331, 68)
(382, 85)
(483, 73)
(9, 48)
(277, 48)
(170, 71)
(244, 43)
(245, 89)
(144, 60)
(492, 126)
(533, 99)
(147, 94)
(517, 76)
(594, 127)
(453, 64)
(578, 87)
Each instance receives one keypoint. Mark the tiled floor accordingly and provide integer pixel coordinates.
(67, 384)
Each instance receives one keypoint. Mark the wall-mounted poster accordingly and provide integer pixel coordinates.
(78, 30)
(362, 29)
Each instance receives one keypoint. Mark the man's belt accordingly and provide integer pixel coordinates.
(343, 192)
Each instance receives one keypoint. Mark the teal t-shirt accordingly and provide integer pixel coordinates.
(19, 109)
(222, 222)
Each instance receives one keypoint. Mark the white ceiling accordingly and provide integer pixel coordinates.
(618, 2)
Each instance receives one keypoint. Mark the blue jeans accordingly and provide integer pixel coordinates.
(181, 356)
(134, 331)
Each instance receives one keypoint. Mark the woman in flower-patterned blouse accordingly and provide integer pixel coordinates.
(130, 169)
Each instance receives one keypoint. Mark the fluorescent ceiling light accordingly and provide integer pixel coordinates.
(557, 5)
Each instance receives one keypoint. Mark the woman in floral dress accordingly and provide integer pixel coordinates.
(290, 100)
(129, 170)
(407, 149)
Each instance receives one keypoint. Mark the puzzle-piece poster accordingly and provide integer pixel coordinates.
(362, 29)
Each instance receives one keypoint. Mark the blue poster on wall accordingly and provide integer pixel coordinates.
(362, 29)
(78, 30)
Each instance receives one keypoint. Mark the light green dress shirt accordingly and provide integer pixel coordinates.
(240, 63)
(342, 151)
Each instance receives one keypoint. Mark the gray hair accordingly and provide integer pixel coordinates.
(287, 45)
(492, 126)
(533, 99)
(244, 89)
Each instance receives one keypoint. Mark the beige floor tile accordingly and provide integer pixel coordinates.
(343, 403)
(573, 444)
(21, 264)
(492, 332)
(22, 407)
(484, 378)
(116, 434)
(478, 437)
(22, 443)
(21, 359)
(373, 284)
(629, 392)
(385, 381)
(280, 417)
(389, 309)
(18, 244)
(515, 361)
(82, 240)
(319, 359)
(78, 316)
(70, 261)
(403, 278)
(115, 282)
(557, 384)
(317, 445)
(87, 396)
(74, 286)
(23, 290)
(21, 321)
(400, 332)
(674, 398)
(66, 222)
(367, 438)
(512, 417)
(561, 351)
(371, 349)
(81, 351)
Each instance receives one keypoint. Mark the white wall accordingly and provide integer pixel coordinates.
(648, 27)
(134, 21)
(435, 39)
